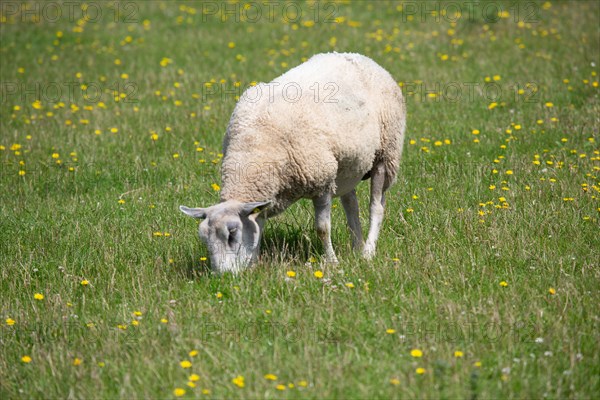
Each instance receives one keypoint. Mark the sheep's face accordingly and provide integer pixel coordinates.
(231, 231)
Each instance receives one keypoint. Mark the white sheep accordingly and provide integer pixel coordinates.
(314, 132)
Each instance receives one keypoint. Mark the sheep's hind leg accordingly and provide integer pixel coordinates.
(377, 207)
(350, 203)
(323, 224)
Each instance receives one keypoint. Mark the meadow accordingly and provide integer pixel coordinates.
(113, 113)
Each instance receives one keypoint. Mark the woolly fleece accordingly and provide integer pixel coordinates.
(291, 139)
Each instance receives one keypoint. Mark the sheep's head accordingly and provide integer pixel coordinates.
(232, 232)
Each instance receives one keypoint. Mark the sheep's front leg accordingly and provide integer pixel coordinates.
(376, 209)
(350, 203)
(323, 224)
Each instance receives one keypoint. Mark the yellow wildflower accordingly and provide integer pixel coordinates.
(416, 353)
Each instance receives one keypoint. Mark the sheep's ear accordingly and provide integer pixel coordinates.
(254, 207)
(199, 213)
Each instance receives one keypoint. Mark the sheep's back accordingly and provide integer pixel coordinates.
(321, 122)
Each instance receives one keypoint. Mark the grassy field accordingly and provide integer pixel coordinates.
(108, 123)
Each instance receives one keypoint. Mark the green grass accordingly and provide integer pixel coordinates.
(436, 279)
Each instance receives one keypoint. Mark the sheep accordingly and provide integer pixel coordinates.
(314, 132)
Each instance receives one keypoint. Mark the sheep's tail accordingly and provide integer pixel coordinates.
(393, 125)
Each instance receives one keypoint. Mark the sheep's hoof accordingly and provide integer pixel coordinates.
(369, 252)
(333, 260)
(358, 247)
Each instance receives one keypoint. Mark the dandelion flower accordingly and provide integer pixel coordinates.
(350, 285)
(77, 361)
(390, 331)
(395, 381)
(185, 364)
(552, 291)
(458, 354)
(193, 353)
(85, 282)
(416, 353)
(178, 392)
(238, 381)
(420, 371)
(10, 321)
(477, 364)
(280, 387)
(26, 359)
(165, 61)
(38, 296)
(194, 378)
(271, 377)
(318, 274)
(504, 284)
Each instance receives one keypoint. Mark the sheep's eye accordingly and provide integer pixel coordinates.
(232, 234)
